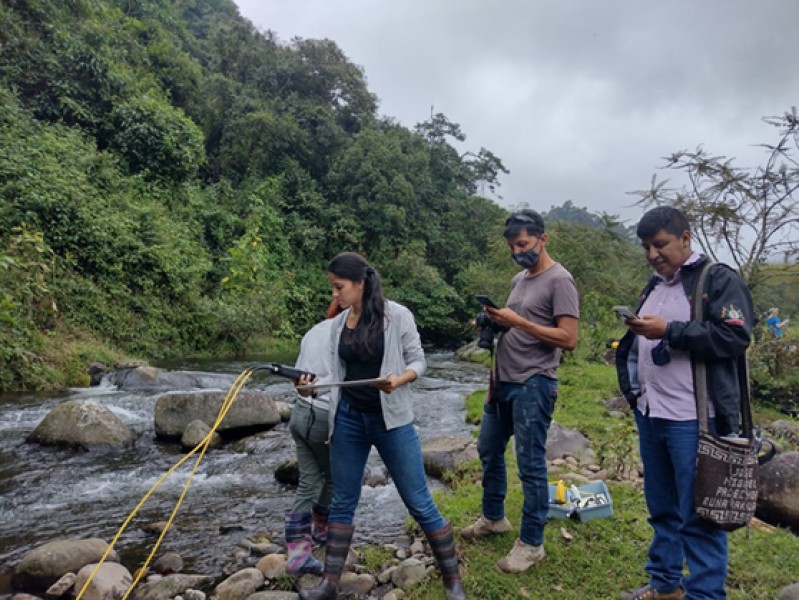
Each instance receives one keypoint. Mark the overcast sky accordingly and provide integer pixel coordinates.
(579, 98)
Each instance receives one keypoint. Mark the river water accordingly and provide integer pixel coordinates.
(49, 493)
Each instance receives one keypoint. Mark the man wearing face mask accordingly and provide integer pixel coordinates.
(542, 316)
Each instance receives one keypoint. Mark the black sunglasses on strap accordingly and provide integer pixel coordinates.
(520, 218)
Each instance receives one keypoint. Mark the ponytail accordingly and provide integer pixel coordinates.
(352, 266)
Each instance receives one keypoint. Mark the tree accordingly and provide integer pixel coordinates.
(250, 300)
(744, 216)
(155, 138)
(470, 172)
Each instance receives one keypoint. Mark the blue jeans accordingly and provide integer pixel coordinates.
(353, 437)
(524, 410)
(668, 451)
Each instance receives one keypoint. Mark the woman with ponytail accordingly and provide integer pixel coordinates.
(375, 338)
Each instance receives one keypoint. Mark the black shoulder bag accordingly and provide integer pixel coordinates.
(725, 485)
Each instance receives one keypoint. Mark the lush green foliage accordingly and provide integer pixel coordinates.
(173, 181)
(188, 177)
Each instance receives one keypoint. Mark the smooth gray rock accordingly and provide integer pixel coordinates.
(43, 566)
(168, 563)
(778, 491)
(448, 453)
(239, 585)
(196, 432)
(562, 441)
(170, 586)
(109, 582)
(81, 424)
(144, 377)
(409, 573)
(251, 411)
(790, 592)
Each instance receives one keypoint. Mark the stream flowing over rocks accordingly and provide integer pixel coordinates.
(64, 491)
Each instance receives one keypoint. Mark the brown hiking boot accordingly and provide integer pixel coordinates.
(649, 593)
(521, 557)
(483, 526)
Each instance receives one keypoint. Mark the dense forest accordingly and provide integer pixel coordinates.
(173, 181)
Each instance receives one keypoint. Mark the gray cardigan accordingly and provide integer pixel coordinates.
(402, 351)
(315, 358)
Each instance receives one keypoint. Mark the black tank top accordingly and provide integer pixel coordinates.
(359, 366)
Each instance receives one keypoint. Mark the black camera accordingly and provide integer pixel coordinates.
(488, 329)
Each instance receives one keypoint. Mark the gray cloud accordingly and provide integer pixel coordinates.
(579, 98)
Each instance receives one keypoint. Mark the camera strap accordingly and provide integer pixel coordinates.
(493, 379)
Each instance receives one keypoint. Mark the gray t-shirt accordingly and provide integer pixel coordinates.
(538, 298)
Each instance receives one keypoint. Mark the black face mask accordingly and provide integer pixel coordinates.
(528, 259)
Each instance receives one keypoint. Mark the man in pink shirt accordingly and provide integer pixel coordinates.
(655, 362)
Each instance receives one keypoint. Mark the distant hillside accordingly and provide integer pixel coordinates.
(570, 213)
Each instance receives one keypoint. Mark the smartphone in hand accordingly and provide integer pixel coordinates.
(484, 300)
(624, 312)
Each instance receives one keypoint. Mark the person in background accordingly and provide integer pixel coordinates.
(542, 317)
(306, 522)
(774, 323)
(654, 362)
(376, 338)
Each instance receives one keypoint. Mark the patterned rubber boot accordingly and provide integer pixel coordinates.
(319, 523)
(299, 546)
(339, 537)
(443, 547)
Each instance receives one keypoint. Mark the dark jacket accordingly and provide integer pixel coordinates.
(720, 341)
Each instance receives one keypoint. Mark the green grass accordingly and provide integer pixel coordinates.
(607, 555)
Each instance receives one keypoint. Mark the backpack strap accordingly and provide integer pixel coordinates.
(700, 372)
(700, 369)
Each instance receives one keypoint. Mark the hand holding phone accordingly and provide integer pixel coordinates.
(624, 312)
(485, 300)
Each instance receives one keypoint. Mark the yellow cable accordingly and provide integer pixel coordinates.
(238, 383)
(204, 444)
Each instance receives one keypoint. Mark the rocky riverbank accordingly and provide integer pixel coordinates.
(256, 569)
(254, 563)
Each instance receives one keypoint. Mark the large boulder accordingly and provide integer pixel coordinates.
(81, 424)
(778, 491)
(562, 442)
(252, 411)
(447, 453)
(43, 566)
(147, 378)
